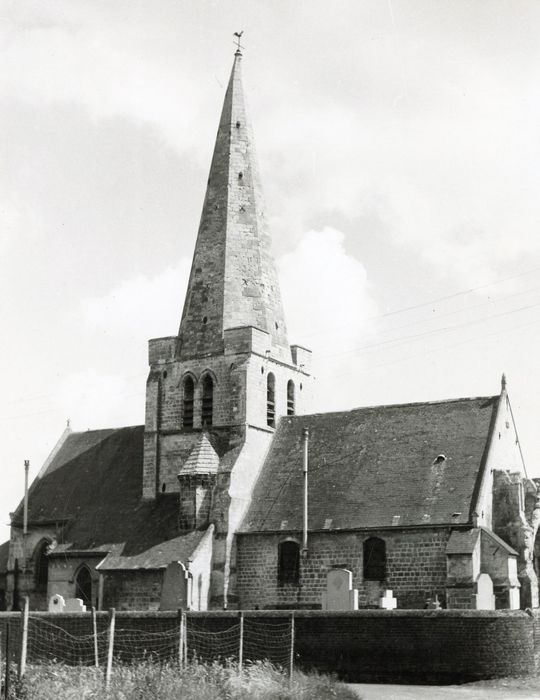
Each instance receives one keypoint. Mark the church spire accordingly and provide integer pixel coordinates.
(233, 280)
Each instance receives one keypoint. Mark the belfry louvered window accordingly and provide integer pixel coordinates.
(207, 401)
(271, 400)
(187, 410)
(374, 559)
(290, 398)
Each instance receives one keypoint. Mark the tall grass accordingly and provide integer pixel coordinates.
(197, 681)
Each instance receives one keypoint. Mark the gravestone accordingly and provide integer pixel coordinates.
(433, 603)
(485, 600)
(57, 603)
(388, 602)
(513, 598)
(74, 605)
(339, 594)
(175, 589)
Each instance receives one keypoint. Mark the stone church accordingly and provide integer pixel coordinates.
(424, 499)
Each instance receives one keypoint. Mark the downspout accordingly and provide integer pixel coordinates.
(25, 510)
(305, 440)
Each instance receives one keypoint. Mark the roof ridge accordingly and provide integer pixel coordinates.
(102, 430)
(394, 405)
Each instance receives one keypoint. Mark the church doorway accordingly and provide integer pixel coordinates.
(83, 586)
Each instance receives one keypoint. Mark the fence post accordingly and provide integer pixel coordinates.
(185, 639)
(291, 658)
(181, 639)
(241, 644)
(94, 632)
(8, 652)
(108, 670)
(24, 638)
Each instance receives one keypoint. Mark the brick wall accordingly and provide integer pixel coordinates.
(415, 571)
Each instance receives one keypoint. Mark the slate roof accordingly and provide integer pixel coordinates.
(159, 556)
(202, 459)
(94, 485)
(4, 552)
(464, 541)
(368, 465)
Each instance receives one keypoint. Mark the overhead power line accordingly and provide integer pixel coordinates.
(414, 336)
(422, 304)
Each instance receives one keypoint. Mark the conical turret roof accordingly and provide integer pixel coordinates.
(202, 459)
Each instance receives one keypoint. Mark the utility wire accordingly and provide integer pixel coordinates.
(433, 331)
(438, 349)
(404, 309)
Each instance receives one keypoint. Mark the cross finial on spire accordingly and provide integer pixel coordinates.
(239, 46)
(503, 382)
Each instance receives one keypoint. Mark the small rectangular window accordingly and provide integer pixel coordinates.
(288, 562)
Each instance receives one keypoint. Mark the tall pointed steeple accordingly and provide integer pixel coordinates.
(233, 280)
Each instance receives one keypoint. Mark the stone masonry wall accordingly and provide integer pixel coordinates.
(240, 385)
(132, 590)
(420, 646)
(415, 571)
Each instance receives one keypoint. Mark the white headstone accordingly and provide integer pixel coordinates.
(74, 605)
(175, 589)
(434, 603)
(514, 598)
(339, 594)
(485, 600)
(57, 603)
(388, 602)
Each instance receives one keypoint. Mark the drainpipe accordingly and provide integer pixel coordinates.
(25, 509)
(305, 440)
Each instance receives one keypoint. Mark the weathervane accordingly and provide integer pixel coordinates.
(238, 36)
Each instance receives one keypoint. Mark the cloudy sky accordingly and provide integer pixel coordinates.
(399, 149)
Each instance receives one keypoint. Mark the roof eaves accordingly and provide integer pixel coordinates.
(499, 541)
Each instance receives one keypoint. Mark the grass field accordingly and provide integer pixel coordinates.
(197, 681)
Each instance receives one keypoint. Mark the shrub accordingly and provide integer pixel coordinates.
(196, 681)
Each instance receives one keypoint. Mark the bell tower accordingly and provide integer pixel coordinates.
(216, 391)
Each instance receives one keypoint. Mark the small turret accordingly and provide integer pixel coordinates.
(197, 479)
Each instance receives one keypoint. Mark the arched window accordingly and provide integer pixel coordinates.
(187, 409)
(288, 562)
(207, 401)
(83, 586)
(374, 559)
(271, 400)
(41, 565)
(290, 398)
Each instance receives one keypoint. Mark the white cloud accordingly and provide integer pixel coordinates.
(93, 399)
(141, 308)
(74, 53)
(328, 305)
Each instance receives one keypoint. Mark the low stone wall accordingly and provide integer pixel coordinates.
(420, 646)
